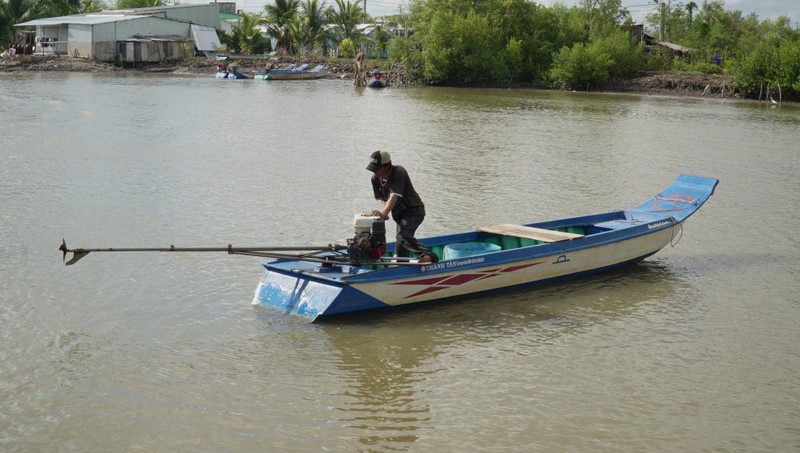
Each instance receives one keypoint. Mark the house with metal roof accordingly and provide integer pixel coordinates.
(137, 35)
(652, 45)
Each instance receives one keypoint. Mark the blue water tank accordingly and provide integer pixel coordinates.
(462, 249)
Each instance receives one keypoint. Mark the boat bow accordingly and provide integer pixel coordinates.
(682, 198)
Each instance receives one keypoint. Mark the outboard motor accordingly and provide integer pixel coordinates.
(369, 242)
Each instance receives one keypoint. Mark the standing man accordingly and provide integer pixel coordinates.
(392, 186)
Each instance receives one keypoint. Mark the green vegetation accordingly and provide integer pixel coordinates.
(514, 41)
(511, 42)
(304, 27)
(16, 11)
(464, 42)
(760, 55)
(130, 4)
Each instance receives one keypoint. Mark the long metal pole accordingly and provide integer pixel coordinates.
(172, 248)
(79, 253)
(266, 252)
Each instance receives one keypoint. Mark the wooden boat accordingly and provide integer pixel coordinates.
(377, 79)
(331, 283)
(292, 72)
(317, 283)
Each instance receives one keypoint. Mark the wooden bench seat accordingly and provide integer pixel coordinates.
(538, 234)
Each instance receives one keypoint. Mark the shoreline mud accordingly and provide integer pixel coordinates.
(664, 84)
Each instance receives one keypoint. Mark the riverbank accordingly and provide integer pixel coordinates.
(668, 84)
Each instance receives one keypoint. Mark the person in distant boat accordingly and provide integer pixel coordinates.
(222, 67)
(392, 186)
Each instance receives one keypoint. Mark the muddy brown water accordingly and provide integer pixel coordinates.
(694, 349)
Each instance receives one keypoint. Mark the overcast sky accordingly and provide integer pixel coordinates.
(766, 9)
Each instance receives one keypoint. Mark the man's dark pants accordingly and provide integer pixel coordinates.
(406, 228)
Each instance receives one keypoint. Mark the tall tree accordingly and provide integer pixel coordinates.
(381, 37)
(13, 12)
(277, 21)
(314, 11)
(54, 8)
(300, 32)
(347, 15)
(603, 17)
(249, 33)
(690, 7)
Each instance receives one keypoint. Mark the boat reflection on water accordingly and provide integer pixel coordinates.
(411, 370)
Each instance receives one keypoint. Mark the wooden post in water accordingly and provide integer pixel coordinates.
(361, 75)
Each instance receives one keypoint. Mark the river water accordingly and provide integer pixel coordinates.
(694, 349)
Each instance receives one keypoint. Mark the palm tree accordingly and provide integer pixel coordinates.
(58, 7)
(13, 12)
(346, 16)
(277, 21)
(248, 32)
(300, 32)
(314, 11)
(381, 37)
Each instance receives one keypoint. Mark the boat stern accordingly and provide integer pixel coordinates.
(292, 295)
(308, 294)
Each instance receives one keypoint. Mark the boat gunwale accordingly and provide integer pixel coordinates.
(518, 254)
(500, 257)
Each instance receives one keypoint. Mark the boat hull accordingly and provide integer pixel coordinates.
(514, 256)
(376, 82)
(292, 74)
(303, 76)
(231, 75)
(320, 298)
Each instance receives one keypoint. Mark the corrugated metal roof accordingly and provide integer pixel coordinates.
(149, 10)
(673, 46)
(80, 19)
(104, 17)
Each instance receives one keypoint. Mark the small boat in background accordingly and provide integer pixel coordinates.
(231, 75)
(229, 72)
(377, 79)
(292, 72)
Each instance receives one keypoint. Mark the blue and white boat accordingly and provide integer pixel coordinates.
(347, 279)
(317, 283)
(231, 75)
(292, 72)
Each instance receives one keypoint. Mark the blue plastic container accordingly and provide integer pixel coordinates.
(462, 249)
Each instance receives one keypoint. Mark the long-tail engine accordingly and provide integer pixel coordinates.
(369, 242)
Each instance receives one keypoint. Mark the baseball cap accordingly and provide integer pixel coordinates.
(377, 159)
